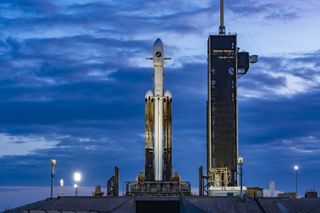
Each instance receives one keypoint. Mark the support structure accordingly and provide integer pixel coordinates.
(222, 122)
(113, 184)
(201, 181)
(225, 65)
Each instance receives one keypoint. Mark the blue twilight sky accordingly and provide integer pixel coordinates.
(73, 79)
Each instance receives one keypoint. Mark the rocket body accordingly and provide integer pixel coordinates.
(158, 62)
(158, 122)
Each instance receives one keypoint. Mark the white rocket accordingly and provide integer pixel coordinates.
(159, 110)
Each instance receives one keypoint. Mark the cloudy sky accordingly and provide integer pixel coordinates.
(73, 79)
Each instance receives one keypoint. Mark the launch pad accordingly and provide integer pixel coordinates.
(158, 188)
(189, 204)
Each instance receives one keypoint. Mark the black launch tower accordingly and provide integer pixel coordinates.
(225, 65)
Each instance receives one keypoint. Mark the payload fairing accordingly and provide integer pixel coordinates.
(158, 129)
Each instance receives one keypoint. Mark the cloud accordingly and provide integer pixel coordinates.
(265, 10)
(290, 147)
(43, 56)
(23, 145)
(283, 76)
(40, 63)
(13, 9)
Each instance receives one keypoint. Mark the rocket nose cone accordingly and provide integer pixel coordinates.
(158, 50)
(158, 43)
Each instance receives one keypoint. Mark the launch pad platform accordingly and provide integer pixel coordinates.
(158, 188)
(174, 204)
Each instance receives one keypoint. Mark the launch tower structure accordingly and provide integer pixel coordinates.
(226, 64)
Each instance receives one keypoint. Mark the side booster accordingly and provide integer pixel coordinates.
(158, 164)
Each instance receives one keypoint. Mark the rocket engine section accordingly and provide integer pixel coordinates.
(158, 119)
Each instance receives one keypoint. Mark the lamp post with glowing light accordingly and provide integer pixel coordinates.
(77, 179)
(296, 168)
(61, 186)
(75, 186)
(53, 164)
(240, 163)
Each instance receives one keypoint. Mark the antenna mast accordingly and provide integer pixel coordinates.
(222, 27)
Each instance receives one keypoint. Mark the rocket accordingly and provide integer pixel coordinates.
(158, 122)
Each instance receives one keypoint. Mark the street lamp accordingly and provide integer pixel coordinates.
(77, 178)
(296, 168)
(240, 163)
(53, 164)
(61, 186)
(75, 186)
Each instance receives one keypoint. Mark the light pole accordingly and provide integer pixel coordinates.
(240, 163)
(61, 187)
(75, 186)
(296, 168)
(53, 164)
(77, 178)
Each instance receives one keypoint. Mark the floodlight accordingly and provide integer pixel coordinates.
(240, 160)
(77, 176)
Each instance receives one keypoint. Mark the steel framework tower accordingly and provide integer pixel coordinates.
(225, 65)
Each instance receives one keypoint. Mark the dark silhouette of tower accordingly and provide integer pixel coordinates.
(225, 65)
